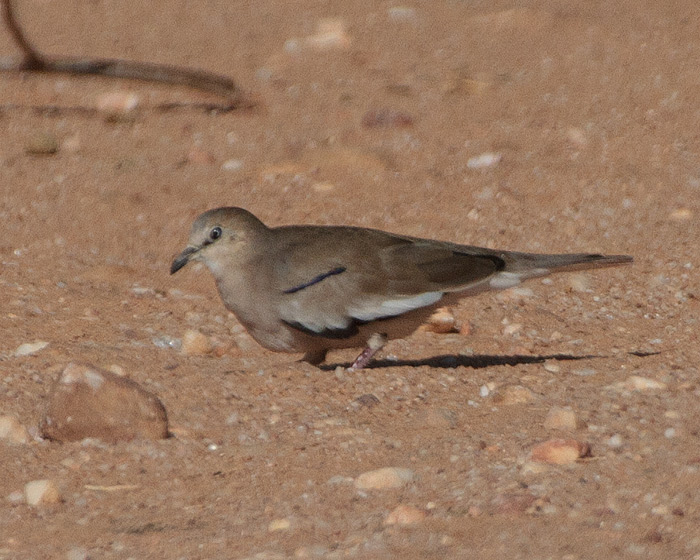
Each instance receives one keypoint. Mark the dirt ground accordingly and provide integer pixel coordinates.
(371, 114)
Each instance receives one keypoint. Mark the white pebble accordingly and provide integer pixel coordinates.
(512, 329)
(552, 367)
(488, 159)
(387, 477)
(514, 394)
(11, 430)
(404, 514)
(43, 491)
(232, 165)
(15, 497)
(670, 433)
(278, 525)
(639, 383)
(339, 479)
(323, 187)
(117, 102)
(561, 419)
(615, 441)
(661, 509)
(194, 343)
(29, 348)
(330, 34)
(579, 283)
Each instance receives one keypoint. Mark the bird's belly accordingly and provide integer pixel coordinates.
(394, 327)
(282, 337)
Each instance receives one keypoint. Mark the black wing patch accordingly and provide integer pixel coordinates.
(315, 280)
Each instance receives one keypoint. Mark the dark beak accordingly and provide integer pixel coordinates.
(182, 259)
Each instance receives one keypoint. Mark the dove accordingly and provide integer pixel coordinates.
(311, 288)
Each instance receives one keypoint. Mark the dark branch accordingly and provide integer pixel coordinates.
(32, 59)
(116, 68)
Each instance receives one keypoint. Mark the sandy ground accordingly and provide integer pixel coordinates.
(592, 108)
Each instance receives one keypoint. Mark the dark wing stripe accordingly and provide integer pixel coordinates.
(315, 280)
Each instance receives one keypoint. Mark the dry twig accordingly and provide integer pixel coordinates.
(33, 61)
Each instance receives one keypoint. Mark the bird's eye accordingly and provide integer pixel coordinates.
(215, 233)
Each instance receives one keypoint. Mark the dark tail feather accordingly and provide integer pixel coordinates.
(523, 262)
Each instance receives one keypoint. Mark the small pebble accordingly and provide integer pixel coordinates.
(552, 366)
(560, 451)
(441, 322)
(15, 497)
(232, 165)
(12, 431)
(117, 103)
(29, 348)
(41, 143)
(484, 161)
(323, 187)
(404, 515)
(278, 525)
(670, 433)
(117, 370)
(639, 383)
(387, 477)
(513, 394)
(194, 343)
(561, 419)
(39, 492)
(518, 294)
(330, 34)
(512, 329)
(615, 441)
(681, 214)
(579, 283)
(577, 137)
(533, 467)
(338, 479)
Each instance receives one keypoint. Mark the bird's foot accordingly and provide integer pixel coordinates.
(314, 357)
(375, 343)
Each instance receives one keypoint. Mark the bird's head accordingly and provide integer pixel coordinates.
(219, 236)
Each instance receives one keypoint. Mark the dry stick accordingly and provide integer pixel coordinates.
(34, 61)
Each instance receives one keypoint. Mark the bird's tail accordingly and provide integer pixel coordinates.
(526, 262)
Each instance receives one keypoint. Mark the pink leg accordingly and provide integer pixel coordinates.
(374, 345)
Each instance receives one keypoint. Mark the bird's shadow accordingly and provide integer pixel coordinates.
(477, 361)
